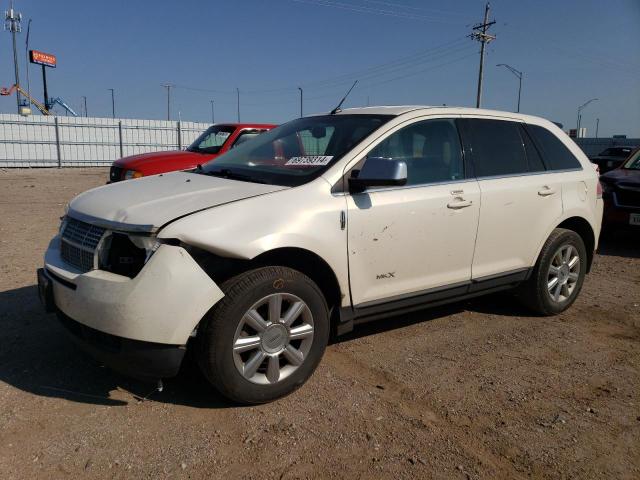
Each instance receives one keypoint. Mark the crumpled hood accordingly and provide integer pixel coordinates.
(151, 202)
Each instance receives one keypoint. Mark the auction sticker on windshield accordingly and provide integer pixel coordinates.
(310, 160)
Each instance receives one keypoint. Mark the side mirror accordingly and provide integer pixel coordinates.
(378, 172)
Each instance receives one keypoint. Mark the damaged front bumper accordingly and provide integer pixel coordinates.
(139, 325)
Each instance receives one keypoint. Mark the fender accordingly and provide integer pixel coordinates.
(307, 217)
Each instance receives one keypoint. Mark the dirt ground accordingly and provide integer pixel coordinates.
(477, 389)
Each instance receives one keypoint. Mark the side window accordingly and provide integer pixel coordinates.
(496, 147)
(556, 155)
(534, 160)
(431, 150)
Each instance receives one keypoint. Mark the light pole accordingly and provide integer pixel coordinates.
(597, 126)
(168, 87)
(26, 42)
(580, 108)
(113, 103)
(84, 100)
(213, 117)
(518, 74)
(300, 88)
(238, 97)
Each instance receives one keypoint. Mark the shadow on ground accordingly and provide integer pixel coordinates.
(620, 243)
(37, 356)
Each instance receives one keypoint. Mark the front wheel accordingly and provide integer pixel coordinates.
(558, 275)
(266, 336)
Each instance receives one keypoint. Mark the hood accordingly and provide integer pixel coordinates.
(145, 159)
(621, 174)
(148, 203)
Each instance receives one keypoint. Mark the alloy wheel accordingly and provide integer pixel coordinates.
(273, 338)
(563, 274)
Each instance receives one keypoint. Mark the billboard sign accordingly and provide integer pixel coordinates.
(41, 58)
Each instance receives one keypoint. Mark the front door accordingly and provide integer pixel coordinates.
(404, 241)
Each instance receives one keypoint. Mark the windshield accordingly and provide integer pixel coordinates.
(616, 152)
(212, 140)
(634, 161)
(296, 152)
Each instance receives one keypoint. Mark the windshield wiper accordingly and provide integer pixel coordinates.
(227, 173)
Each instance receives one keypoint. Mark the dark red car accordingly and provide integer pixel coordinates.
(213, 142)
(621, 194)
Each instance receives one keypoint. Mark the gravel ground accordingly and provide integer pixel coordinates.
(478, 389)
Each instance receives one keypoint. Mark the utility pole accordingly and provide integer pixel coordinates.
(12, 23)
(480, 34)
(213, 117)
(84, 99)
(168, 87)
(518, 74)
(238, 95)
(300, 88)
(113, 103)
(597, 126)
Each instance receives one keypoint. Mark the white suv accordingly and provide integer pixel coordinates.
(252, 260)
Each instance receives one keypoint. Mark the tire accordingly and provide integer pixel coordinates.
(538, 293)
(246, 355)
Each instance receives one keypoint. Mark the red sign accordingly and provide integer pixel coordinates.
(41, 58)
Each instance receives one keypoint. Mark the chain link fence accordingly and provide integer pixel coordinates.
(41, 141)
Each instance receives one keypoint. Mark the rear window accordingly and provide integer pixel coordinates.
(496, 147)
(555, 153)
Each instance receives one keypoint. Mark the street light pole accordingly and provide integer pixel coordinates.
(26, 42)
(213, 117)
(238, 98)
(84, 100)
(518, 74)
(168, 87)
(580, 108)
(113, 103)
(300, 88)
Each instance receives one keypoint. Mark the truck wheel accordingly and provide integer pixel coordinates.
(558, 275)
(267, 335)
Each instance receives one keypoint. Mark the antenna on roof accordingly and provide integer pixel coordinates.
(337, 109)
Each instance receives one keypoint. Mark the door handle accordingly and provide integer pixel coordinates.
(459, 203)
(546, 191)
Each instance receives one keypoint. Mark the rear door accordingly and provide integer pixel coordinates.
(520, 199)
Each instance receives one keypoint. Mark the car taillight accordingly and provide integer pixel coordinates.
(599, 190)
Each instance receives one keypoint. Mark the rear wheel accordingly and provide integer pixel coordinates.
(558, 275)
(266, 336)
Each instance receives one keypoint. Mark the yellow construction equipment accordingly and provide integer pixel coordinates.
(8, 91)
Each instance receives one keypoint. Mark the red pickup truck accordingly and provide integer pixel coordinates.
(213, 142)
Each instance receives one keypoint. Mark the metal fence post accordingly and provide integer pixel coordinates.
(179, 136)
(120, 136)
(57, 127)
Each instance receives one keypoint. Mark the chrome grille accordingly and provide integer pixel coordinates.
(79, 242)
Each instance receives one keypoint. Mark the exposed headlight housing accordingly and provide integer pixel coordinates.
(129, 174)
(126, 253)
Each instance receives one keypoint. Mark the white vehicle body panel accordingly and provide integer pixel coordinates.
(404, 240)
(159, 305)
(515, 215)
(153, 201)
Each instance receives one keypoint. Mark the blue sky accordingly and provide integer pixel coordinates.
(403, 52)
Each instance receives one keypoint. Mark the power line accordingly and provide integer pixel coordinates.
(452, 46)
(376, 11)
